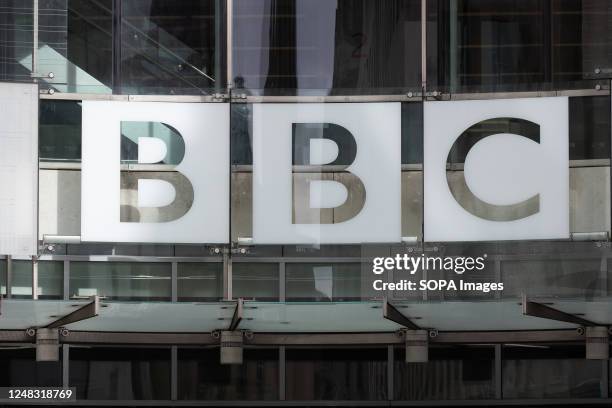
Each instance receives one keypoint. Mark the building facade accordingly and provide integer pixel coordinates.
(212, 184)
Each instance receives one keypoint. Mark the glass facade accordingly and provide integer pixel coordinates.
(313, 328)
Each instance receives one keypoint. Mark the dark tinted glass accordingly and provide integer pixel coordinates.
(120, 374)
(550, 371)
(336, 374)
(20, 369)
(255, 281)
(172, 47)
(202, 377)
(452, 373)
(344, 46)
(59, 137)
(16, 27)
(510, 45)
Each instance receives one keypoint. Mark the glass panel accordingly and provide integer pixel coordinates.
(121, 280)
(202, 377)
(336, 374)
(50, 280)
(323, 282)
(550, 371)
(170, 47)
(59, 131)
(20, 369)
(3, 281)
(120, 374)
(75, 45)
(508, 45)
(200, 281)
(311, 190)
(318, 46)
(16, 37)
(21, 283)
(452, 373)
(255, 281)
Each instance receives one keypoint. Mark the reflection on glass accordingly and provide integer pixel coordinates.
(75, 45)
(59, 131)
(331, 46)
(50, 279)
(200, 281)
(323, 282)
(554, 277)
(16, 37)
(255, 281)
(336, 374)
(507, 45)
(120, 373)
(121, 280)
(171, 47)
(452, 373)
(202, 377)
(550, 371)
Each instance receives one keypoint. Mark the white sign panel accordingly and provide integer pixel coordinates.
(358, 202)
(515, 181)
(187, 205)
(18, 169)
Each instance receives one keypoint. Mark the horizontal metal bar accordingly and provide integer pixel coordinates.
(303, 339)
(127, 258)
(407, 97)
(61, 239)
(604, 90)
(133, 98)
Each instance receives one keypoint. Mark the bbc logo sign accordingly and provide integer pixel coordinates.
(313, 160)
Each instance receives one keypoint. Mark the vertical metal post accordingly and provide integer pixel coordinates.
(174, 282)
(34, 278)
(174, 373)
(281, 373)
(116, 47)
(424, 45)
(390, 375)
(498, 372)
(218, 45)
(227, 277)
(229, 45)
(498, 277)
(453, 45)
(605, 379)
(9, 276)
(66, 280)
(35, 37)
(282, 288)
(65, 365)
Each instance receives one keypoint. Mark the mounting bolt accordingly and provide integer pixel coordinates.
(64, 332)
(31, 332)
(433, 334)
(598, 70)
(598, 87)
(51, 91)
(580, 331)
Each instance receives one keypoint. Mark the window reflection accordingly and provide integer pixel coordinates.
(330, 46)
(107, 373)
(336, 374)
(202, 377)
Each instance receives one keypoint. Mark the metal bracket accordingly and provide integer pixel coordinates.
(390, 312)
(87, 311)
(237, 317)
(540, 310)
